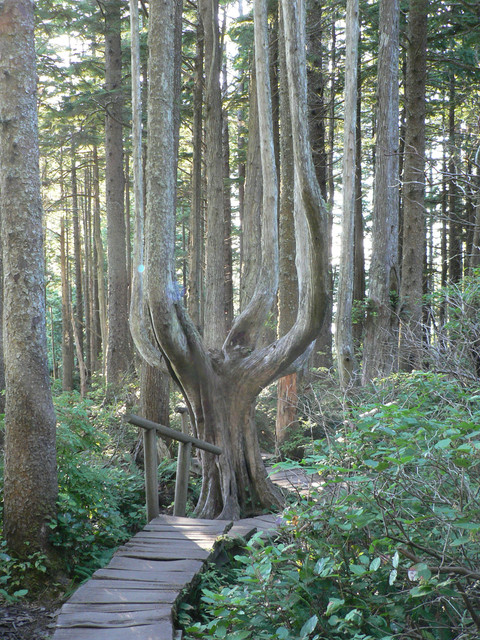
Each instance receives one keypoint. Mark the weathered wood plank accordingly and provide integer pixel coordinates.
(166, 554)
(173, 578)
(106, 619)
(89, 594)
(179, 544)
(153, 566)
(112, 607)
(144, 632)
(119, 583)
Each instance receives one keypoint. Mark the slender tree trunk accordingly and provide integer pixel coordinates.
(67, 337)
(195, 266)
(379, 357)
(359, 246)
(287, 277)
(119, 348)
(87, 275)
(30, 472)
(344, 333)
(215, 324)
(100, 256)
(323, 349)
(455, 256)
(128, 226)
(227, 194)
(251, 223)
(78, 310)
(414, 228)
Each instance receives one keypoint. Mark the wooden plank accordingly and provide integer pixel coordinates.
(206, 543)
(154, 566)
(112, 607)
(89, 594)
(103, 583)
(173, 533)
(106, 619)
(145, 632)
(173, 578)
(178, 520)
(171, 553)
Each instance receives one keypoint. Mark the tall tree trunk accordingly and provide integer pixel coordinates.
(287, 275)
(119, 348)
(227, 193)
(455, 257)
(30, 473)
(214, 315)
(414, 228)
(251, 223)
(100, 256)
(344, 333)
(78, 307)
(359, 245)
(380, 345)
(67, 335)
(195, 266)
(128, 226)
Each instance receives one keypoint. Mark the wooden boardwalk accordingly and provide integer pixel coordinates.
(133, 598)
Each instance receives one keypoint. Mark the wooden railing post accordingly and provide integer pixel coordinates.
(185, 441)
(183, 468)
(151, 472)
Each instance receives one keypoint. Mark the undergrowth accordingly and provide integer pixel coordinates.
(387, 548)
(101, 493)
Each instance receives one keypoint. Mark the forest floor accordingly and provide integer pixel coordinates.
(26, 621)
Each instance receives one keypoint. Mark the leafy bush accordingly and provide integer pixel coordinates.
(100, 504)
(389, 547)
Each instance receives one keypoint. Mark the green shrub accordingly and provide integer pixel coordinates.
(100, 503)
(389, 547)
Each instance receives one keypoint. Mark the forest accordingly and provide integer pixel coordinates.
(263, 215)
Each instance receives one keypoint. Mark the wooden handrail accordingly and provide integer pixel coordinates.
(186, 441)
(173, 433)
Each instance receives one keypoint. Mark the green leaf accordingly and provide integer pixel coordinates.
(308, 627)
(357, 569)
(470, 526)
(392, 577)
(282, 633)
(443, 444)
(395, 559)
(375, 564)
(461, 540)
(334, 604)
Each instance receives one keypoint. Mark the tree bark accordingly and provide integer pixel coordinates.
(100, 257)
(347, 365)
(455, 255)
(379, 357)
(30, 475)
(195, 265)
(411, 341)
(119, 349)
(359, 245)
(67, 335)
(287, 281)
(214, 314)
